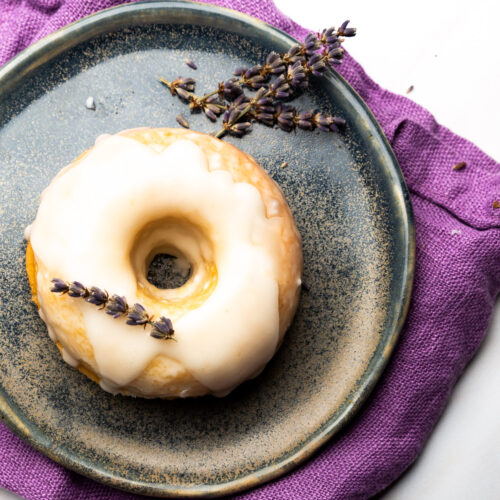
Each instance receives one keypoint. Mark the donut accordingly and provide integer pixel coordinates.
(144, 192)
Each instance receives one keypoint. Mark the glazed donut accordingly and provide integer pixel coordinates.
(145, 192)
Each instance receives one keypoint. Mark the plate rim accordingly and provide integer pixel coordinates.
(56, 43)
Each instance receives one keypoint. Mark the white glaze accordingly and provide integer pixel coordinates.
(68, 357)
(85, 230)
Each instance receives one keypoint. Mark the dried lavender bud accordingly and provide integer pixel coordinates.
(274, 64)
(296, 76)
(338, 122)
(265, 104)
(345, 31)
(284, 116)
(280, 88)
(459, 166)
(183, 94)
(162, 329)
(264, 109)
(332, 42)
(260, 94)
(59, 286)
(336, 54)
(311, 44)
(117, 306)
(191, 64)
(304, 120)
(241, 101)
(211, 111)
(333, 45)
(293, 55)
(137, 316)
(261, 100)
(322, 121)
(182, 121)
(333, 128)
(256, 82)
(342, 27)
(213, 99)
(264, 117)
(237, 106)
(253, 71)
(328, 35)
(179, 86)
(316, 65)
(239, 129)
(230, 88)
(335, 62)
(76, 289)
(97, 296)
(262, 104)
(185, 83)
(240, 70)
(253, 77)
(230, 115)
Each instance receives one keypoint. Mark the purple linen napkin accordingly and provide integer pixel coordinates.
(457, 280)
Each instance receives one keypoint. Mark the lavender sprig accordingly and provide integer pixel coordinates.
(279, 78)
(116, 307)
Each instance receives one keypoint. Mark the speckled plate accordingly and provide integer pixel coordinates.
(345, 191)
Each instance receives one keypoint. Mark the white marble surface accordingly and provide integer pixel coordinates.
(448, 50)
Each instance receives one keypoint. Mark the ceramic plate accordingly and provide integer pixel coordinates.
(345, 191)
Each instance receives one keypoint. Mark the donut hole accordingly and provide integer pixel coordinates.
(173, 264)
(168, 271)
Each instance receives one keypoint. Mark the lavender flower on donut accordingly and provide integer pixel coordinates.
(116, 306)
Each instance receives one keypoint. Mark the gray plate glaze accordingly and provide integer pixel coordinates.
(345, 191)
